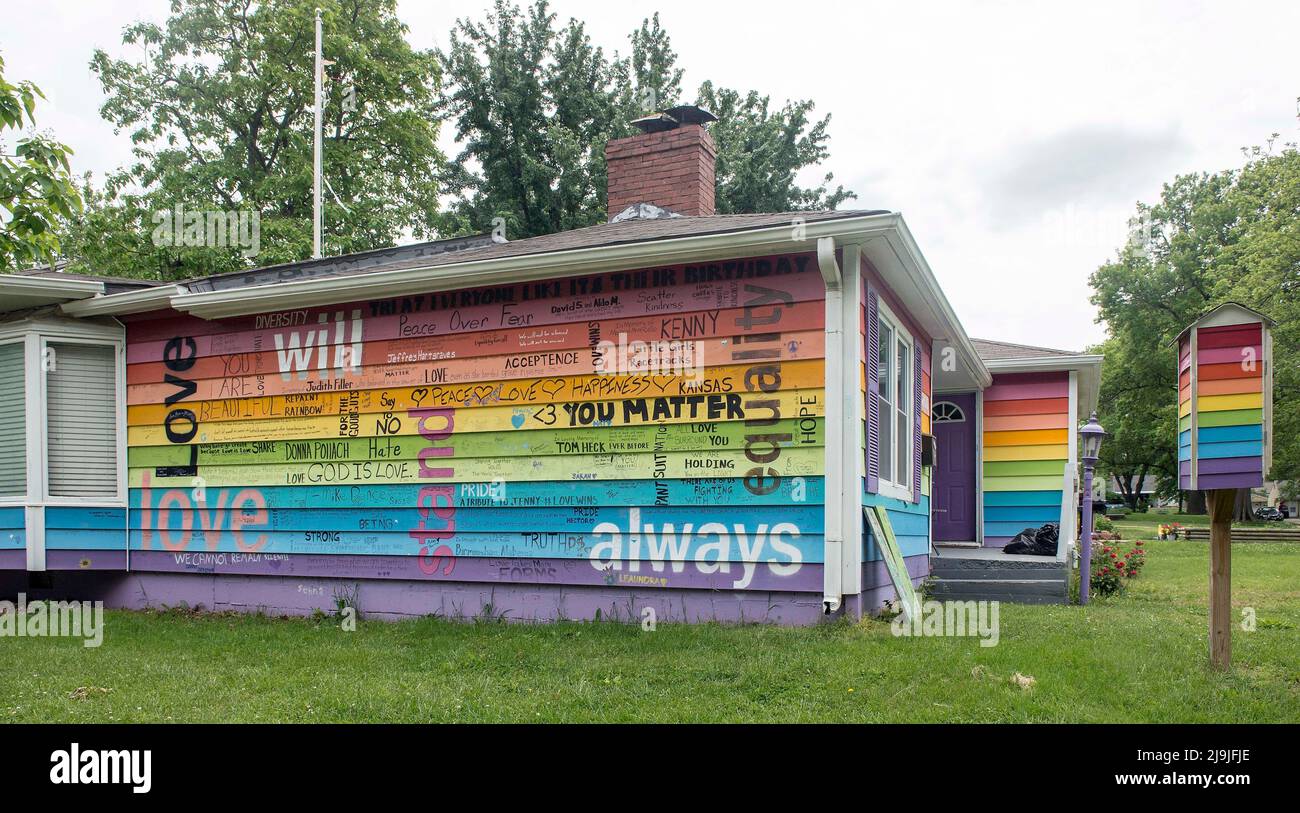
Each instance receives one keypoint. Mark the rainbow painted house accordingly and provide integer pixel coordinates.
(676, 411)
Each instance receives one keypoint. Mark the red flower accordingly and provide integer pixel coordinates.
(1132, 572)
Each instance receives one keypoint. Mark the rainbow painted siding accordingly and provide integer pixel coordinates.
(1026, 446)
(481, 435)
(1222, 400)
(910, 519)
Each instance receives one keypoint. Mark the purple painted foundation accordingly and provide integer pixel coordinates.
(302, 593)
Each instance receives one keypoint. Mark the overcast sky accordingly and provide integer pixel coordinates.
(1015, 138)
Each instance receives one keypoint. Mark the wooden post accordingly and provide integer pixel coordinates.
(1221, 506)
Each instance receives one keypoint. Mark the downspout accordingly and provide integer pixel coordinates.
(832, 578)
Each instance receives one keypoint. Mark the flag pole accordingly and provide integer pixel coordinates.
(316, 219)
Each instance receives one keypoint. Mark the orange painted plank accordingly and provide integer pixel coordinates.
(1033, 437)
(1028, 406)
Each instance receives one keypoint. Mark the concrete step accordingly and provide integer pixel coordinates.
(942, 567)
(1018, 591)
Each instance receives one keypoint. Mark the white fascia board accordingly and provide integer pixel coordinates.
(525, 268)
(1069, 361)
(145, 299)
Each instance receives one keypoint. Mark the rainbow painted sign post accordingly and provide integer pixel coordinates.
(1225, 417)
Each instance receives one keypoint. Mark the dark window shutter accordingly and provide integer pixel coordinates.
(873, 392)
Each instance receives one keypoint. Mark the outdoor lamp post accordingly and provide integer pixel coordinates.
(1090, 438)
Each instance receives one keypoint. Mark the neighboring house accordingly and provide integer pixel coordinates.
(436, 428)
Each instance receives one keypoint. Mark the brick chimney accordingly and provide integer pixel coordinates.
(668, 164)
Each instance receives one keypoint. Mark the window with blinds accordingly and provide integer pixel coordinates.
(13, 421)
(81, 422)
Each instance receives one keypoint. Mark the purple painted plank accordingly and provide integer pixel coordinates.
(876, 574)
(1222, 465)
(808, 577)
(1206, 482)
(85, 560)
(13, 559)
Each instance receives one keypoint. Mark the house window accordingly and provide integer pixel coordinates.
(62, 414)
(894, 369)
(80, 419)
(948, 412)
(13, 420)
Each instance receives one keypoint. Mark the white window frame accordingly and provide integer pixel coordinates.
(36, 334)
(10, 500)
(890, 487)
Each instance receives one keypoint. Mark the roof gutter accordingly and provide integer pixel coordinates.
(145, 299)
(1066, 361)
(18, 285)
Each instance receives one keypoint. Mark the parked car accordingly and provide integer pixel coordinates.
(1269, 515)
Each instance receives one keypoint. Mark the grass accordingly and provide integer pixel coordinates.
(1138, 657)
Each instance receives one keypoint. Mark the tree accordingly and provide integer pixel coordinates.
(534, 106)
(36, 188)
(1212, 238)
(220, 115)
(760, 153)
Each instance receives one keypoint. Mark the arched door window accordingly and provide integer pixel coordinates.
(947, 412)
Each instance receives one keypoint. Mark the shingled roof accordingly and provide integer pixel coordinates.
(990, 350)
(482, 247)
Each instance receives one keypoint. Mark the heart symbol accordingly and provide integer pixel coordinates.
(517, 419)
(419, 395)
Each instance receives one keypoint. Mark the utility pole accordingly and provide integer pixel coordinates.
(316, 217)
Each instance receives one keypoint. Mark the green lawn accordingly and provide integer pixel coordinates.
(1140, 657)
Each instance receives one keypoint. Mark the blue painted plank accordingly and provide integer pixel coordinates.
(780, 548)
(63, 539)
(992, 498)
(1033, 514)
(72, 518)
(808, 519)
(1249, 448)
(704, 491)
(1228, 434)
(1012, 528)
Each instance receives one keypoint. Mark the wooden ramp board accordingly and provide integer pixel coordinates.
(883, 532)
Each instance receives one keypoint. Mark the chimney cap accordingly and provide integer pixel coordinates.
(672, 118)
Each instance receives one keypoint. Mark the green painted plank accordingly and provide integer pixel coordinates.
(1033, 483)
(1021, 468)
(720, 435)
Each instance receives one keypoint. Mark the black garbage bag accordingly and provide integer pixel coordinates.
(1035, 541)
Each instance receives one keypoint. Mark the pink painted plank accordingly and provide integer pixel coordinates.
(1020, 392)
(1226, 355)
(1011, 423)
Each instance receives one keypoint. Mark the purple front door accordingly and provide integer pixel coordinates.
(953, 418)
